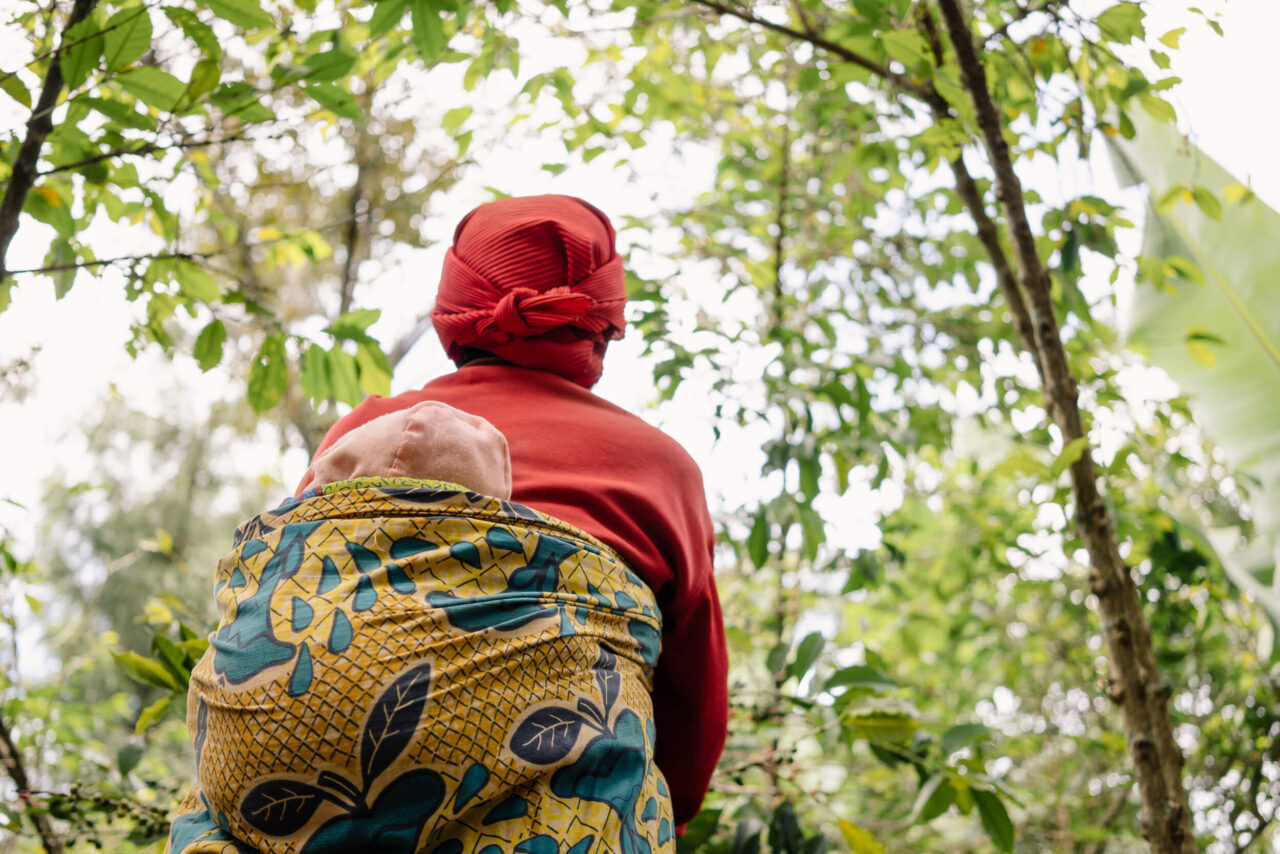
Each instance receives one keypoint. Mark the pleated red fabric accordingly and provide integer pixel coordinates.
(537, 281)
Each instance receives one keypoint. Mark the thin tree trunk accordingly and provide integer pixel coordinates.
(23, 176)
(1166, 819)
(11, 759)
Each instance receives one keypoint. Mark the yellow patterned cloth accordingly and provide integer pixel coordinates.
(404, 666)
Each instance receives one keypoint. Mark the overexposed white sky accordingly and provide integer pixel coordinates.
(82, 336)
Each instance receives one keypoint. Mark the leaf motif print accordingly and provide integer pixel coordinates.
(547, 735)
(393, 722)
(281, 807)
(608, 678)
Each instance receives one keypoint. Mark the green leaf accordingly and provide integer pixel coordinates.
(84, 49)
(934, 798)
(1170, 39)
(1158, 108)
(1070, 453)
(194, 281)
(428, 30)
(344, 381)
(454, 118)
(158, 88)
(196, 30)
(1200, 342)
(995, 820)
(1207, 202)
(48, 205)
(960, 736)
(151, 715)
(1230, 382)
(208, 349)
(859, 840)
(906, 46)
(128, 757)
(126, 38)
(315, 373)
(699, 830)
(336, 99)
(204, 77)
(807, 653)
(14, 88)
(1122, 23)
(374, 370)
(386, 14)
(247, 14)
(147, 670)
(860, 677)
(269, 374)
(758, 539)
(329, 65)
(354, 324)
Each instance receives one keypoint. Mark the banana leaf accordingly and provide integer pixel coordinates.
(1208, 313)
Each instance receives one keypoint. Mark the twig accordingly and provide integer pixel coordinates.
(151, 148)
(48, 53)
(1166, 819)
(120, 259)
(899, 80)
(1025, 12)
(23, 175)
(11, 759)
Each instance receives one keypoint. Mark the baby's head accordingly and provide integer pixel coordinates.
(431, 441)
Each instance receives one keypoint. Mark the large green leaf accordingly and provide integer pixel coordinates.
(1215, 329)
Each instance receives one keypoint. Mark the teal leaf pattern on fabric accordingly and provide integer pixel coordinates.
(503, 612)
(365, 559)
(340, 632)
(300, 681)
(611, 770)
(465, 553)
(330, 578)
(391, 826)
(365, 596)
(399, 579)
(302, 614)
(502, 538)
(540, 844)
(410, 546)
(247, 645)
(649, 639)
(513, 807)
(473, 781)
(582, 847)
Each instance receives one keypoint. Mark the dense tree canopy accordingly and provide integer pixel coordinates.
(890, 283)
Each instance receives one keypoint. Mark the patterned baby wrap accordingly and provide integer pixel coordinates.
(402, 666)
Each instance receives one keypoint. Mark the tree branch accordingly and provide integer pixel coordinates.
(23, 176)
(1166, 819)
(151, 148)
(11, 759)
(120, 259)
(834, 48)
(1025, 12)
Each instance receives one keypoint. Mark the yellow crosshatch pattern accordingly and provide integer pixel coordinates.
(402, 665)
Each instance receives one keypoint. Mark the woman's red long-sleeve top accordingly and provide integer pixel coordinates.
(579, 458)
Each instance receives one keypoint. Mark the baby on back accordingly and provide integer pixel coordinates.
(429, 441)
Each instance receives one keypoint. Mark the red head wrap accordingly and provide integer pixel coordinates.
(535, 281)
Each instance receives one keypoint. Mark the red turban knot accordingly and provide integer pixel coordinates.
(536, 281)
